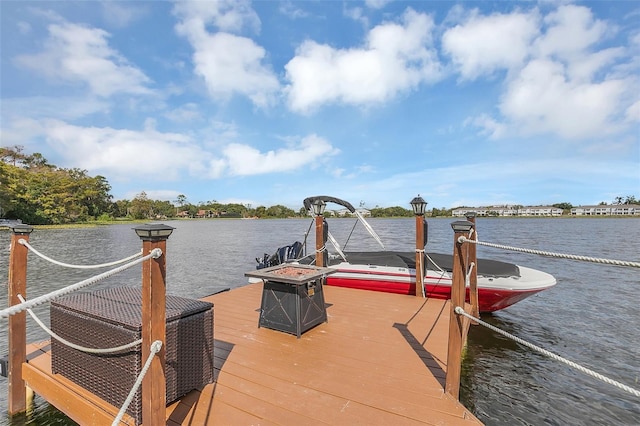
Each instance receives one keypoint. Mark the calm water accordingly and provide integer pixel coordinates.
(590, 317)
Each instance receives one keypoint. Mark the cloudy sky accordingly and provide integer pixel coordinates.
(268, 102)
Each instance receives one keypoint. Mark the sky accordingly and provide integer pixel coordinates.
(466, 103)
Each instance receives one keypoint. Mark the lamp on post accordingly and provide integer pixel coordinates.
(154, 386)
(318, 207)
(461, 226)
(153, 231)
(17, 285)
(419, 206)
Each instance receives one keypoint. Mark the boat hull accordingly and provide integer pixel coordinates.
(494, 293)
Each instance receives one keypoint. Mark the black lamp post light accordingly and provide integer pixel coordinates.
(153, 231)
(419, 206)
(318, 207)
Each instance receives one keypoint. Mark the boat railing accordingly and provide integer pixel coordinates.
(152, 258)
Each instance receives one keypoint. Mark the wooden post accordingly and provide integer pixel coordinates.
(154, 387)
(18, 322)
(419, 255)
(473, 278)
(456, 323)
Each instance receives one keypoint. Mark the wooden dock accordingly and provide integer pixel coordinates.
(379, 360)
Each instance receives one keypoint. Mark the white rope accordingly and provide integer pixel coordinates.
(467, 279)
(40, 300)
(421, 268)
(442, 271)
(155, 348)
(458, 310)
(73, 345)
(67, 265)
(552, 254)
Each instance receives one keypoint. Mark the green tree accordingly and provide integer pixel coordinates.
(141, 207)
(566, 207)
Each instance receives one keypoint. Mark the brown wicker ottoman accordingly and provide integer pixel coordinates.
(113, 317)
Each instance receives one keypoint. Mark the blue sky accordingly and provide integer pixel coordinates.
(268, 102)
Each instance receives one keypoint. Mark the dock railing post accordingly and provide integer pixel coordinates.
(457, 324)
(318, 210)
(154, 386)
(419, 206)
(17, 322)
(473, 277)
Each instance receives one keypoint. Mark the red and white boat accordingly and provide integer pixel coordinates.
(500, 284)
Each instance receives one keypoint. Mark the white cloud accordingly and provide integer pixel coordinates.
(62, 107)
(155, 194)
(555, 82)
(290, 9)
(397, 57)
(226, 15)
(231, 64)
(570, 31)
(124, 154)
(377, 4)
(246, 160)
(485, 44)
(632, 114)
(24, 27)
(228, 63)
(490, 127)
(120, 14)
(543, 100)
(184, 113)
(75, 53)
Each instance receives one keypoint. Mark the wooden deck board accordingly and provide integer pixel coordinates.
(380, 359)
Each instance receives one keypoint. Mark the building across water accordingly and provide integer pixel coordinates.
(599, 210)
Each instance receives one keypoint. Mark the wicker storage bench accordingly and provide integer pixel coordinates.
(113, 317)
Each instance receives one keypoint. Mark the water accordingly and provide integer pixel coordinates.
(590, 316)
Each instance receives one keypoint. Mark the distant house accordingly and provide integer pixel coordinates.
(607, 210)
(184, 213)
(204, 213)
(346, 212)
(540, 211)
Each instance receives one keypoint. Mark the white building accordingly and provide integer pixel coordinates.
(509, 211)
(607, 210)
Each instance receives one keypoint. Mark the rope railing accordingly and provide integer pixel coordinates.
(460, 311)
(155, 348)
(552, 254)
(73, 345)
(68, 265)
(40, 300)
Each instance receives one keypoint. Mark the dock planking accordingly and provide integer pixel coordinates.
(380, 359)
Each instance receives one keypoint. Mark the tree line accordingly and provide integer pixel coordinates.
(40, 193)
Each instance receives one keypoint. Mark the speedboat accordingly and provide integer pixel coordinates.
(500, 284)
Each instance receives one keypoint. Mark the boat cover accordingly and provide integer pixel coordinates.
(486, 267)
